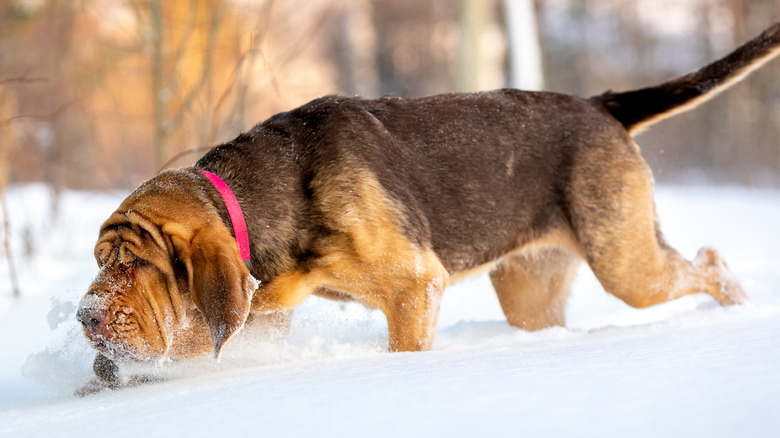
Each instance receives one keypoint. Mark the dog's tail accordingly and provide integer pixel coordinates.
(638, 109)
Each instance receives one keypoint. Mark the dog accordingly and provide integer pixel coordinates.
(387, 202)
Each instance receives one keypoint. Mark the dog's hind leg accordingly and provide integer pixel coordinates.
(613, 215)
(532, 288)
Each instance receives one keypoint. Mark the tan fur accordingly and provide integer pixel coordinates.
(621, 239)
(532, 288)
(182, 311)
(369, 260)
(473, 272)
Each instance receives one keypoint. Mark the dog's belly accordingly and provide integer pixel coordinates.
(483, 213)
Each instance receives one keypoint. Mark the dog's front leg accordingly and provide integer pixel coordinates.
(284, 293)
(412, 312)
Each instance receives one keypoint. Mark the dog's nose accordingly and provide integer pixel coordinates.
(90, 317)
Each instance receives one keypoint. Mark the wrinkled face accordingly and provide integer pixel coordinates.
(171, 283)
(138, 308)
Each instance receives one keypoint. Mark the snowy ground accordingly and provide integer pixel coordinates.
(687, 368)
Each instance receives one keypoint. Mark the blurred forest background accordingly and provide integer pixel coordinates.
(102, 94)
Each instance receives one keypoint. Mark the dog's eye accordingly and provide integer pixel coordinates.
(141, 263)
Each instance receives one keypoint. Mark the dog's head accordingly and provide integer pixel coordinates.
(171, 283)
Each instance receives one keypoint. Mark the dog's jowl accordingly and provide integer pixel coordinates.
(388, 201)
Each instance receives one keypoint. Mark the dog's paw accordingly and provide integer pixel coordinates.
(106, 370)
(107, 376)
(726, 290)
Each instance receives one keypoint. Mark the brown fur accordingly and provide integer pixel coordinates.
(387, 202)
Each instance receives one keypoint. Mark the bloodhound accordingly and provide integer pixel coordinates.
(388, 201)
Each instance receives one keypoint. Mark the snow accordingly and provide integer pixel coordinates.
(686, 368)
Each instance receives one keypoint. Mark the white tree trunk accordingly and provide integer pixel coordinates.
(525, 55)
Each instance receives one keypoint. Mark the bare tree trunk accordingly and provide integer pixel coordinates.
(525, 52)
(7, 245)
(207, 77)
(158, 70)
(474, 17)
(355, 48)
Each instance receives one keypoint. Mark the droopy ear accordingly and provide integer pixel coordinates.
(219, 282)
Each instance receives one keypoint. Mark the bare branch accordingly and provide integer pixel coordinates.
(51, 115)
(185, 37)
(7, 245)
(22, 80)
(225, 94)
(182, 154)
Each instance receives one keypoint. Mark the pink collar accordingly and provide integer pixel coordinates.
(236, 216)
